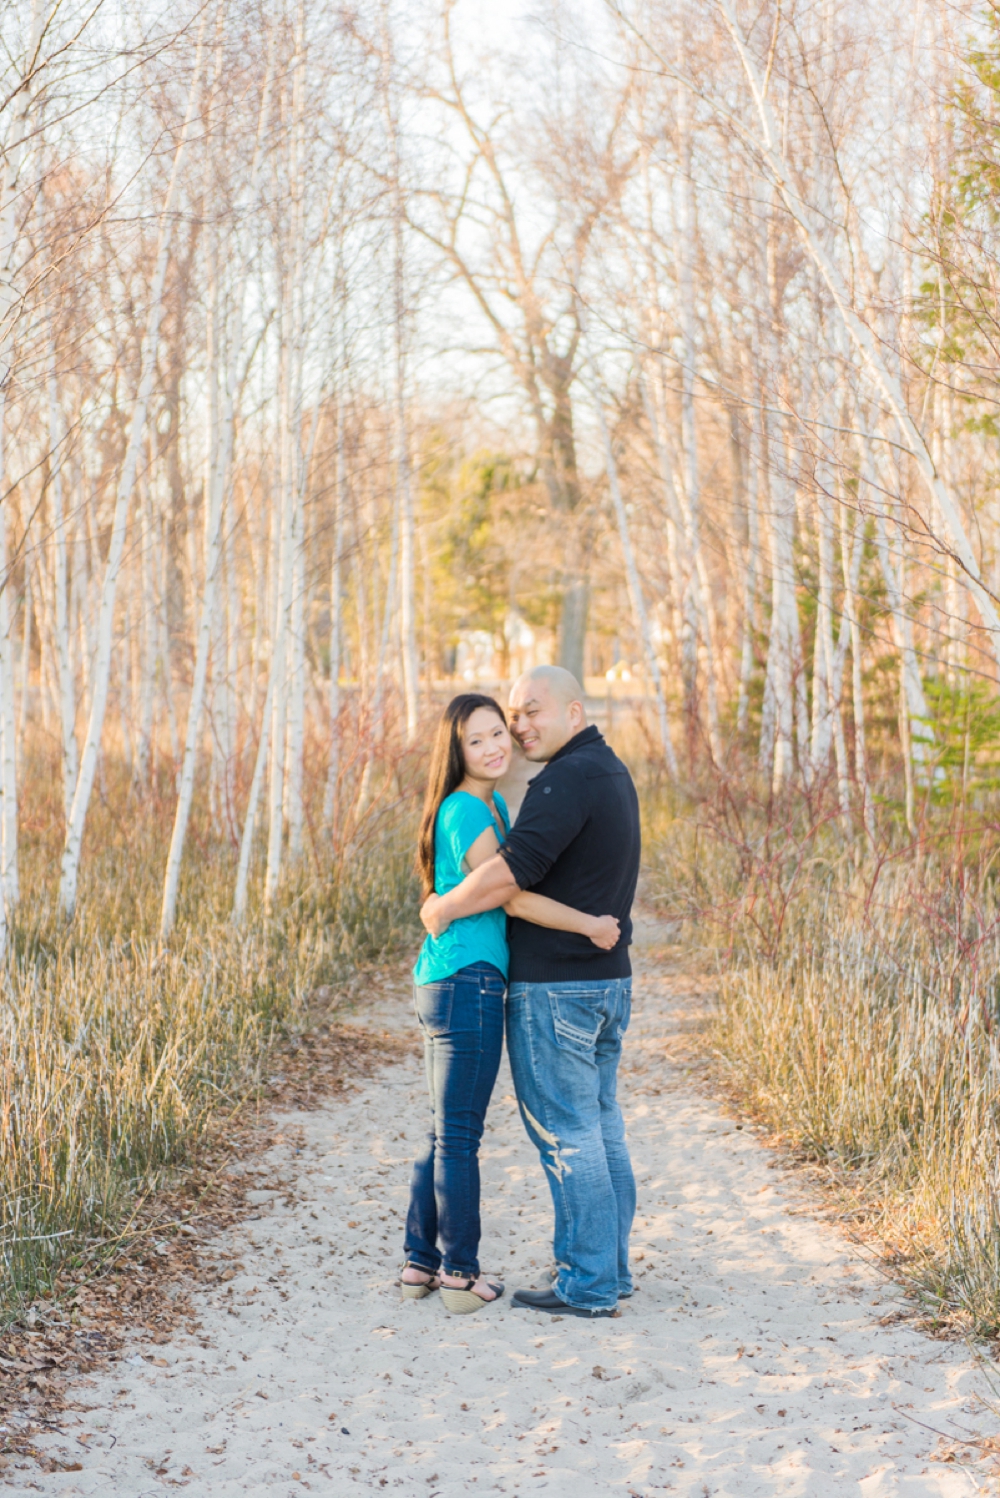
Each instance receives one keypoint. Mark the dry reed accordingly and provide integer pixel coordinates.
(118, 1055)
(858, 999)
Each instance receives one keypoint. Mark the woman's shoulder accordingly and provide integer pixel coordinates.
(462, 809)
(459, 807)
(452, 805)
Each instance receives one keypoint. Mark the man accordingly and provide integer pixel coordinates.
(576, 839)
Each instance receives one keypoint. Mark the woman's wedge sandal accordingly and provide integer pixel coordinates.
(461, 1300)
(422, 1288)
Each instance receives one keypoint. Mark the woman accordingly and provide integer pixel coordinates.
(460, 979)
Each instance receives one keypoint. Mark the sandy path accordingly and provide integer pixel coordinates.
(750, 1361)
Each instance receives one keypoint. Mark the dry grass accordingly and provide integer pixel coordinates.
(117, 1055)
(858, 1000)
(135, 1290)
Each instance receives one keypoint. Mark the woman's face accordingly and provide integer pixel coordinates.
(485, 745)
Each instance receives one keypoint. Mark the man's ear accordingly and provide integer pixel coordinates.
(576, 715)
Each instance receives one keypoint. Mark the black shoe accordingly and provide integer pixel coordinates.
(553, 1274)
(548, 1300)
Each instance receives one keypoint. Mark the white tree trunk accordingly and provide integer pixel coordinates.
(851, 572)
(917, 729)
(279, 644)
(679, 594)
(250, 820)
(9, 880)
(216, 481)
(126, 485)
(750, 581)
(149, 632)
(783, 661)
(336, 610)
(290, 704)
(700, 582)
(825, 704)
(297, 644)
(631, 570)
(770, 152)
(297, 685)
(404, 481)
(13, 158)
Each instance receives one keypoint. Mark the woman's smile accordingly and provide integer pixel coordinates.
(486, 747)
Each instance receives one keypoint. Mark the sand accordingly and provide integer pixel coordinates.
(751, 1360)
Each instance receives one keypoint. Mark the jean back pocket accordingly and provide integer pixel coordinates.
(577, 1017)
(433, 1004)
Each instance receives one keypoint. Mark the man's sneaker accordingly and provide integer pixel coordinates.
(549, 1301)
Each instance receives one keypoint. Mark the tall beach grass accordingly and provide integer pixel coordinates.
(118, 1054)
(858, 1013)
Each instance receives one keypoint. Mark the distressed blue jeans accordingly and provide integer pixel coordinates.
(564, 1041)
(462, 1023)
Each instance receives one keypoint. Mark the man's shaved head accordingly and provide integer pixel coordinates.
(546, 711)
(562, 684)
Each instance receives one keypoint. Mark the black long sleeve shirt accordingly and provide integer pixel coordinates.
(576, 839)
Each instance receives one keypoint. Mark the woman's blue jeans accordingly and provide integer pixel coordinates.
(462, 1023)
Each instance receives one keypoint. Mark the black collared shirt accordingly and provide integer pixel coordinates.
(576, 839)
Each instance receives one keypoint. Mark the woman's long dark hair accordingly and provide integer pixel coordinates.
(447, 770)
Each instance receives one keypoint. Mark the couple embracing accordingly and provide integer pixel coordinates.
(538, 914)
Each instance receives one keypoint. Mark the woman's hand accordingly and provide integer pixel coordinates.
(433, 917)
(604, 931)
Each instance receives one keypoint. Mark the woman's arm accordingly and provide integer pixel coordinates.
(603, 930)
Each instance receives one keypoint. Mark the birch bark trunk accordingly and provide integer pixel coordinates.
(293, 682)
(776, 749)
(126, 485)
(750, 584)
(13, 160)
(279, 643)
(9, 880)
(253, 801)
(824, 703)
(700, 581)
(916, 730)
(628, 552)
(683, 628)
(769, 150)
(404, 477)
(149, 630)
(336, 607)
(216, 479)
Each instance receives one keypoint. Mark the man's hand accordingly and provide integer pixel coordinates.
(604, 931)
(433, 917)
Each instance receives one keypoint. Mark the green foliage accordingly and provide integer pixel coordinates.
(964, 728)
(473, 555)
(957, 299)
(492, 548)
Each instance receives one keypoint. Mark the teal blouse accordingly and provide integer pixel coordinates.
(461, 818)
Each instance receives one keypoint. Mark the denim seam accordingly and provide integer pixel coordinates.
(468, 1162)
(557, 1179)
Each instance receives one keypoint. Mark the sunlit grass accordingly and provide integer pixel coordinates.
(118, 1055)
(858, 1000)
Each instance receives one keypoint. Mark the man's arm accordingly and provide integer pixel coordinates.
(555, 809)
(551, 816)
(490, 885)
